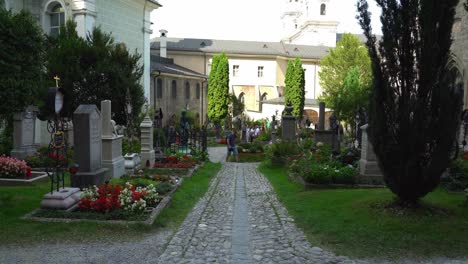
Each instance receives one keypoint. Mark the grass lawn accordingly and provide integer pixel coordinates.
(353, 222)
(18, 201)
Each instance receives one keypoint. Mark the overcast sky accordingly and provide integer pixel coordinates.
(256, 20)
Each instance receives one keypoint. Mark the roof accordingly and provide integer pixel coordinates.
(155, 2)
(242, 47)
(165, 65)
(280, 100)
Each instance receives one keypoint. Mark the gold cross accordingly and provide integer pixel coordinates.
(57, 79)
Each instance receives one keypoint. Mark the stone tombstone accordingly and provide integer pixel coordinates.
(23, 133)
(112, 158)
(368, 167)
(288, 122)
(321, 124)
(147, 151)
(88, 147)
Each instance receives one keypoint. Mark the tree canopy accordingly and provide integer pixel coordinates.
(345, 78)
(295, 86)
(416, 93)
(22, 50)
(96, 69)
(218, 88)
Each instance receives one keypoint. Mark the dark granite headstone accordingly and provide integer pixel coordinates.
(87, 138)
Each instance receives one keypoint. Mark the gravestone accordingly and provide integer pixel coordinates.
(147, 151)
(321, 124)
(329, 137)
(88, 147)
(23, 133)
(111, 144)
(288, 122)
(369, 171)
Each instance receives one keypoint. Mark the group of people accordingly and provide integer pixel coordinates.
(252, 133)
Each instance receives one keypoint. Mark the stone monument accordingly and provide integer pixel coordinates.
(369, 171)
(111, 144)
(288, 122)
(23, 133)
(88, 147)
(147, 151)
(329, 137)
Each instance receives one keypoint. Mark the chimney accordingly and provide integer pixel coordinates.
(163, 43)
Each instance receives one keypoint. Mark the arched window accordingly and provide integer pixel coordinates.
(241, 98)
(323, 9)
(187, 90)
(262, 98)
(159, 88)
(56, 17)
(174, 89)
(198, 91)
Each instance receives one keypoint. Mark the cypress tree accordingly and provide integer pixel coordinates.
(416, 95)
(218, 88)
(295, 87)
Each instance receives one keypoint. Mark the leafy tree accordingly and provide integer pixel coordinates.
(96, 69)
(416, 95)
(237, 106)
(352, 96)
(22, 50)
(218, 88)
(295, 87)
(349, 57)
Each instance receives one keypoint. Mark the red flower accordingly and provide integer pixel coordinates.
(28, 172)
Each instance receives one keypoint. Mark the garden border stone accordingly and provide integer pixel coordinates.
(149, 221)
(25, 182)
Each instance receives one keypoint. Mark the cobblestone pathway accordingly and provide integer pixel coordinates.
(240, 221)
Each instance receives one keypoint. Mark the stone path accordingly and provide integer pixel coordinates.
(240, 221)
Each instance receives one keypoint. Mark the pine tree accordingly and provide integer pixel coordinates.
(416, 94)
(295, 87)
(22, 50)
(96, 69)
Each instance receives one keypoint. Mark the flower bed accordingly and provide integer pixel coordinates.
(36, 176)
(14, 168)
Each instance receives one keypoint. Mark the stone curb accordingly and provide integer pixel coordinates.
(149, 221)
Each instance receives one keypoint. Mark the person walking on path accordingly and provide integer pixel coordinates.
(231, 146)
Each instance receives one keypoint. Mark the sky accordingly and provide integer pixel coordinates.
(254, 20)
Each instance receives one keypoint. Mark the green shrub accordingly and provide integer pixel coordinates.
(164, 187)
(457, 177)
(280, 151)
(318, 174)
(264, 136)
(307, 144)
(136, 146)
(6, 136)
(346, 175)
(159, 132)
(41, 158)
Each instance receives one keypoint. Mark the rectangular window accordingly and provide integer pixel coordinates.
(235, 70)
(260, 72)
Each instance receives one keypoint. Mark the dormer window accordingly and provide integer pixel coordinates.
(323, 9)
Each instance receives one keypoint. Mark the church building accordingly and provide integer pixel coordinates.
(258, 68)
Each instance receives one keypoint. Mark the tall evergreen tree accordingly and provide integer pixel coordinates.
(416, 94)
(218, 88)
(96, 69)
(22, 50)
(295, 87)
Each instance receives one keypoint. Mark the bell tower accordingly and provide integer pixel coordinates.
(315, 22)
(292, 16)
